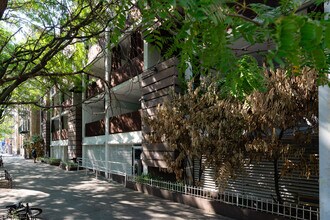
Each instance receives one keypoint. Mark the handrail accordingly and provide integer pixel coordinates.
(109, 167)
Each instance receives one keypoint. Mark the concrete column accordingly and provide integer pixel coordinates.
(74, 148)
(150, 55)
(324, 145)
(324, 151)
(107, 65)
(83, 112)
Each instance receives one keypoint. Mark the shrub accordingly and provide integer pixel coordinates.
(68, 165)
(71, 166)
(43, 159)
(54, 161)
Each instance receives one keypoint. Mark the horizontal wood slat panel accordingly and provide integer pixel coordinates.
(156, 163)
(155, 147)
(157, 155)
(171, 81)
(160, 93)
(159, 67)
(159, 76)
(156, 85)
(154, 102)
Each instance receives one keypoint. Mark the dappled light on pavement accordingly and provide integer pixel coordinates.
(77, 196)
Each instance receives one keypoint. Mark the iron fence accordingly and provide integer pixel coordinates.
(288, 210)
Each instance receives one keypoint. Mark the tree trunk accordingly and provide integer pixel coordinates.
(188, 171)
(276, 181)
(3, 6)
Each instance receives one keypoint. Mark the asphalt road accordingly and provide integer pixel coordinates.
(75, 195)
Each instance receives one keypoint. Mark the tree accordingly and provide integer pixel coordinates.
(46, 40)
(3, 6)
(289, 109)
(43, 43)
(236, 113)
(7, 127)
(237, 42)
(213, 36)
(230, 133)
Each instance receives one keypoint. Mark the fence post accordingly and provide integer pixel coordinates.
(303, 211)
(95, 168)
(86, 167)
(78, 164)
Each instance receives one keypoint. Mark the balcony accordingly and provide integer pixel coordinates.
(95, 88)
(125, 123)
(67, 104)
(118, 124)
(127, 71)
(23, 129)
(60, 135)
(96, 128)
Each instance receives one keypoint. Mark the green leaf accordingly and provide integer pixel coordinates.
(311, 35)
(326, 36)
(288, 38)
(319, 58)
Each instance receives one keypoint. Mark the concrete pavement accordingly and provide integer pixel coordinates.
(72, 195)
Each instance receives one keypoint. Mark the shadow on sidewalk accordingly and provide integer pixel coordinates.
(74, 195)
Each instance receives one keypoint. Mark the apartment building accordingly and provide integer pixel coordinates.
(106, 130)
(111, 113)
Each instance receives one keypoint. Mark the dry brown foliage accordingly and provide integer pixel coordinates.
(230, 133)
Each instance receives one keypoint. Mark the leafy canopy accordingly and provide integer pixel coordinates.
(255, 69)
(45, 43)
(229, 36)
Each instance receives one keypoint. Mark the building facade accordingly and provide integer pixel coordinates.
(104, 126)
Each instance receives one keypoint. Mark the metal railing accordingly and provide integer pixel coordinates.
(288, 210)
(108, 167)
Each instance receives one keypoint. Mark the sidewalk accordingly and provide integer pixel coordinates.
(75, 195)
